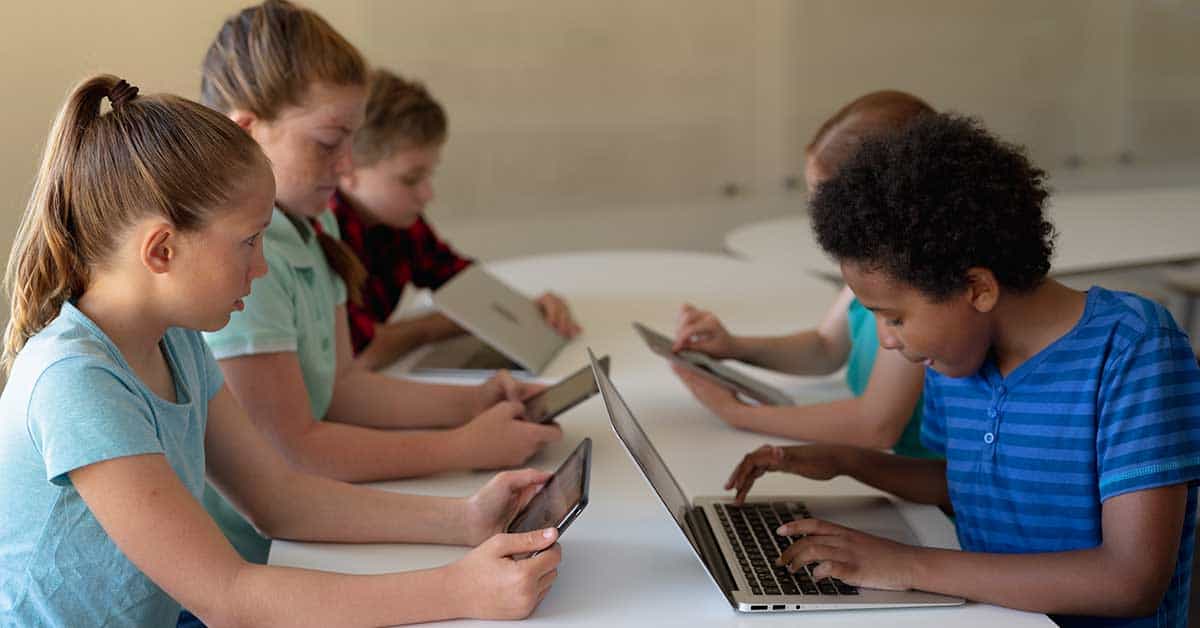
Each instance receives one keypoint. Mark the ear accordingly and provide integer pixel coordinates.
(158, 248)
(983, 291)
(245, 119)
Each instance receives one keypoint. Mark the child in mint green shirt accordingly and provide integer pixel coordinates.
(287, 356)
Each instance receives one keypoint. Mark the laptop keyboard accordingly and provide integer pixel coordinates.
(750, 528)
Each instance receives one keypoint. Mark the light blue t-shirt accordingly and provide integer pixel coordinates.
(72, 401)
(290, 310)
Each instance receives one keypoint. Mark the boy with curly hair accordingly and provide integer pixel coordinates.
(1070, 421)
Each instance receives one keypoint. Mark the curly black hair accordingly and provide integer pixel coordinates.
(928, 202)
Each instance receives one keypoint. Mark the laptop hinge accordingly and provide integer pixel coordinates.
(710, 551)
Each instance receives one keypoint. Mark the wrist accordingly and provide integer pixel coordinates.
(741, 415)
(846, 460)
(458, 448)
(424, 330)
(452, 581)
(737, 348)
(463, 510)
(916, 568)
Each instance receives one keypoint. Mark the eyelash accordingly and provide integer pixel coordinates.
(252, 240)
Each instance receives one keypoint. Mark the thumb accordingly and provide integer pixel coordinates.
(546, 433)
(508, 409)
(516, 481)
(508, 385)
(522, 543)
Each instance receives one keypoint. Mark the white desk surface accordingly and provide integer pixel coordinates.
(1097, 230)
(624, 560)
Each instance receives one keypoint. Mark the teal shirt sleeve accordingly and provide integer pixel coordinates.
(81, 413)
(863, 345)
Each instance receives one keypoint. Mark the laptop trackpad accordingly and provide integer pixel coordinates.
(873, 515)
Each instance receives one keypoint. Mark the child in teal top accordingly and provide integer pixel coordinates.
(885, 410)
(74, 401)
(145, 226)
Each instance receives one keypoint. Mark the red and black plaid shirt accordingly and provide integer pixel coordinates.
(393, 257)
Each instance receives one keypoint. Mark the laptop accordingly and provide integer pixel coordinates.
(738, 546)
(506, 328)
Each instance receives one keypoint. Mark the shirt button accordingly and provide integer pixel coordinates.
(989, 437)
(992, 412)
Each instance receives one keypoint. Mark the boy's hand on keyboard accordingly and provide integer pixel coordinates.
(851, 556)
(818, 462)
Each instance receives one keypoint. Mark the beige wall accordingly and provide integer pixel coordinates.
(583, 124)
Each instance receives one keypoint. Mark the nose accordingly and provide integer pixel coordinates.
(258, 266)
(343, 162)
(425, 191)
(887, 338)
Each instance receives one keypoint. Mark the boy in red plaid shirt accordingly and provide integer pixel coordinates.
(379, 208)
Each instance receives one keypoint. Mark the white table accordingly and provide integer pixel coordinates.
(1098, 230)
(625, 562)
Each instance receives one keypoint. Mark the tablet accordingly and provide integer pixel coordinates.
(740, 383)
(566, 394)
(562, 498)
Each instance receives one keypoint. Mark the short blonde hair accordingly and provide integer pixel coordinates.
(400, 114)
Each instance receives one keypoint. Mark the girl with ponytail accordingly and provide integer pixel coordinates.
(145, 226)
(298, 88)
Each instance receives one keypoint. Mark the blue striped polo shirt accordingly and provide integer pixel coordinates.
(1110, 408)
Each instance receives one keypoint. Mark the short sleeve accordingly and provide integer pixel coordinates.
(81, 413)
(268, 322)
(933, 418)
(1148, 432)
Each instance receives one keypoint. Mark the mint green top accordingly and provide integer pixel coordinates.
(289, 310)
(864, 344)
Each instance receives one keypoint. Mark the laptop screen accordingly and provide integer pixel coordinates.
(642, 449)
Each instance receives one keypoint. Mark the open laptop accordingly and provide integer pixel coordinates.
(506, 328)
(738, 545)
